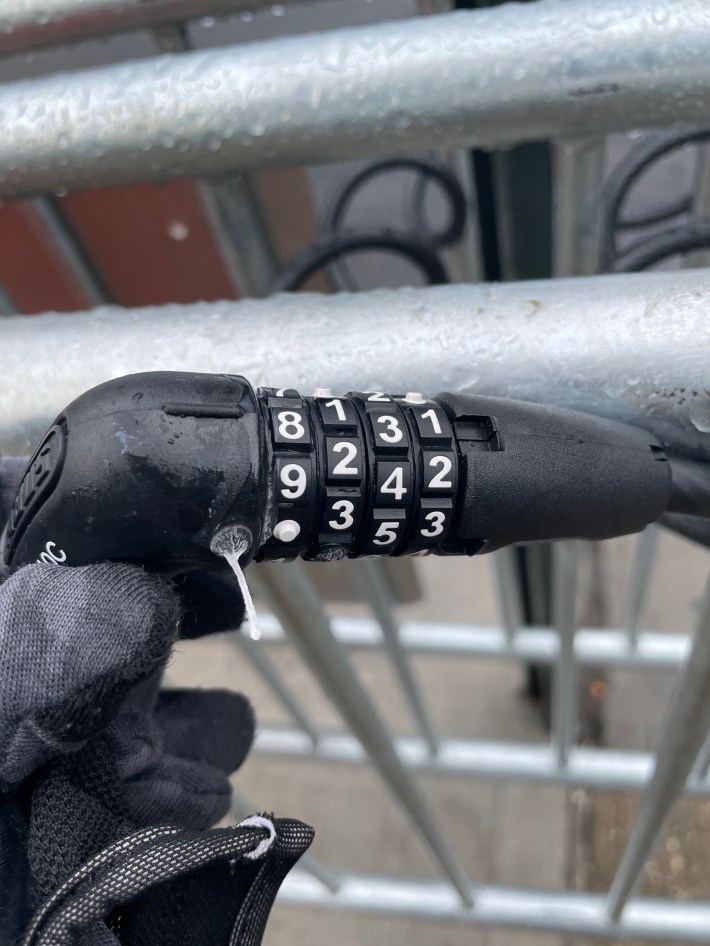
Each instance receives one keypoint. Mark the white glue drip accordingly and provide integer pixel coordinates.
(231, 544)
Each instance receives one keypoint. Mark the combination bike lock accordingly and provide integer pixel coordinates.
(149, 468)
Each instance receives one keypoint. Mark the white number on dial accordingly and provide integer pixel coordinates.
(378, 396)
(350, 450)
(345, 509)
(293, 481)
(437, 520)
(339, 409)
(291, 425)
(393, 434)
(431, 415)
(438, 481)
(386, 534)
(394, 484)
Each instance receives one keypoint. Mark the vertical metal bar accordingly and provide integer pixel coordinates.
(701, 203)
(255, 653)
(468, 251)
(684, 731)
(702, 764)
(232, 209)
(70, 251)
(578, 173)
(375, 590)
(243, 808)
(538, 560)
(640, 582)
(508, 592)
(426, 7)
(297, 606)
(469, 248)
(7, 304)
(564, 600)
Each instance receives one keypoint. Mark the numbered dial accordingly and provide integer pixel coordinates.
(438, 474)
(361, 474)
(294, 470)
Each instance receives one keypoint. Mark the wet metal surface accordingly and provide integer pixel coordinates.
(634, 348)
(488, 77)
(33, 24)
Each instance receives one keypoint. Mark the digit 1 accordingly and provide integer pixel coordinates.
(431, 415)
(339, 409)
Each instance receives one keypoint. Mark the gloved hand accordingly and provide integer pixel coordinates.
(91, 751)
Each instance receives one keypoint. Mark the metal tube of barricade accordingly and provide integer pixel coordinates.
(373, 589)
(702, 764)
(232, 210)
(532, 911)
(701, 203)
(592, 646)
(508, 592)
(685, 729)
(578, 176)
(639, 584)
(260, 660)
(564, 600)
(7, 304)
(297, 606)
(361, 92)
(571, 342)
(234, 214)
(70, 251)
(427, 7)
(242, 808)
(34, 24)
(587, 767)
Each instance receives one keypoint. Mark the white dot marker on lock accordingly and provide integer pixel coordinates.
(414, 397)
(322, 392)
(287, 530)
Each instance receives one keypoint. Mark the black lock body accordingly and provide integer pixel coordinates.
(535, 473)
(150, 468)
(143, 469)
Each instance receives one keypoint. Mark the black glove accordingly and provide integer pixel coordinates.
(91, 751)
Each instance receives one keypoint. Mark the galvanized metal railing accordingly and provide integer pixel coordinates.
(460, 79)
(36, 24)
(618, 346)
(519, 344)
(623, 347)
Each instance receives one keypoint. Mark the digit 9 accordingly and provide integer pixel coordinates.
(293, 481)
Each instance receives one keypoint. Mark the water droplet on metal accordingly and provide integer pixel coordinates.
(660, 16)
(178, 230)
(699, 414)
